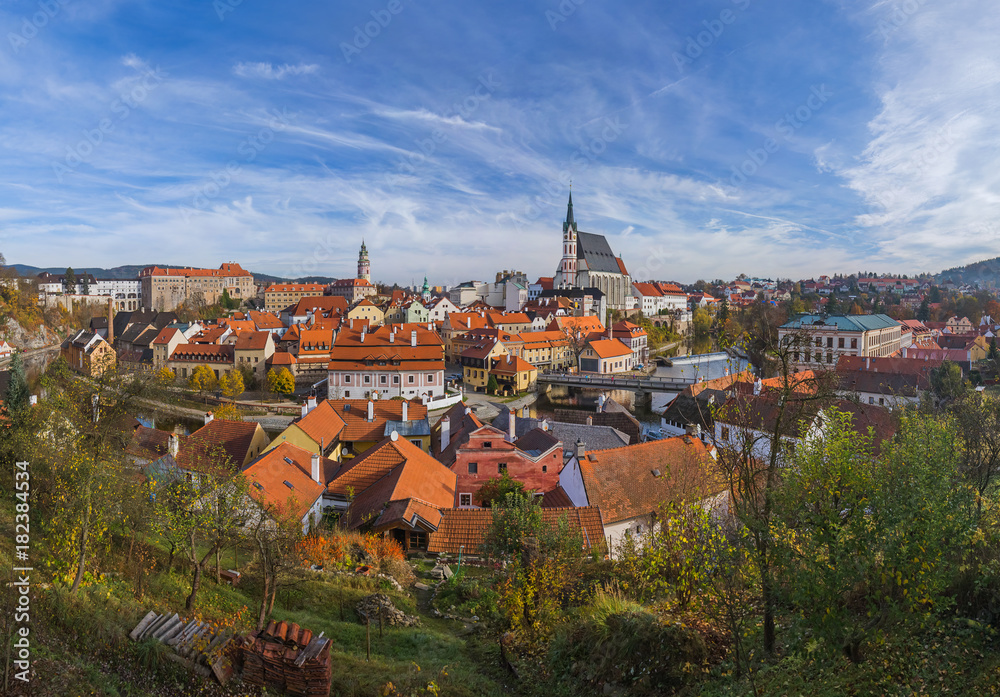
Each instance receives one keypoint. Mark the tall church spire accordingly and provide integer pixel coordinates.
(569, 211)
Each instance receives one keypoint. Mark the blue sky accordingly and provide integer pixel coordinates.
(704, 139)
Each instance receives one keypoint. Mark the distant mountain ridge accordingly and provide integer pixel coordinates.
(986, 273)
(131, 271)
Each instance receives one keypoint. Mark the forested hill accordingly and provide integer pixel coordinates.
(131, 271)
(985, 273)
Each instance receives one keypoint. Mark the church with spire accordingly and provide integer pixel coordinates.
(588, 262)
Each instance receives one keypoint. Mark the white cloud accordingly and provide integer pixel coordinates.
(928, 173)
(267, 71)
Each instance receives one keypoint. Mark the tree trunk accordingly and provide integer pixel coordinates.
(274, 592)
(82, 557)
(262, 615)
(218, 566)
(195, 582)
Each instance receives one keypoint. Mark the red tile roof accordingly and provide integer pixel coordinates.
(610, 348)
(354, 414)
(512, 365)
(253, 341)
(636, 480)
(233, 437)
(322, 423)
(270, 475)
(412, 474)
(467, 527)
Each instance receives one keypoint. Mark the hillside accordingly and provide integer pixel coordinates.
(985, 273)
(130, 271)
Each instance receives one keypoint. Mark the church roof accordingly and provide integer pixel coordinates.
(595, 250)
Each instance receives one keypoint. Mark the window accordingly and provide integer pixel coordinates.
(418, 539)
(819, 341)
(430, 378)
(409, 379)
(808, 356)
(829, 342)
(465, 499)
(347, 379)
(829, 358)
(502, 467)
(840, 342)
(545, 468)
(382, 379)
(395, 379)
(487, 444)
(854, 343)
(473, 468)
(368, 379)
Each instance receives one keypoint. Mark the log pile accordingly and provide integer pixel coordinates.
(288, 658)
(197, 645)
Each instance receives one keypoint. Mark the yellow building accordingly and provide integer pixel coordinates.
(88, 353)
(514, 375)
(280, 295)
(364, 310)
(319, 430)
(477, 361)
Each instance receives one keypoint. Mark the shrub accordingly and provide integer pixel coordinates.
(616, 642)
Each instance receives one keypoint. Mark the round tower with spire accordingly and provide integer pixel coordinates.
(364, 268)
(426, 291)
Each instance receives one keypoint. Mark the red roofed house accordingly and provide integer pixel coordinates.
(605, 357)
(398, 490)
(281, 295)
(164, 344)
(630, 484)
(396, 360)
(186, 357)
(253, 349)
(464, 529)
(354, 289)
(513, 374)
(635, 337)
(290, 482)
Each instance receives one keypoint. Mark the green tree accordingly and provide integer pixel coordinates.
(864, 539)
(516, 520)
(492, 385)
(69, 280)
(947, 382)
(85, 284)
(280, 381)
(993, 354)
(496, 489)
(17, 396)
(924, 311)
(203, 380)
(231, 384)
(702, 322)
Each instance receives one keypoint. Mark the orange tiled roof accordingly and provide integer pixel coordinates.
(265, 320)
(321, 423)
(322, 303)
(296, 288)
(467, 527)
(512, 366)
(356, 424)
(252, 341)
(165, 335)
(233, 437)
(203, 353)
(281, 481)
(622, 482)
(610, 348)
(416, 475)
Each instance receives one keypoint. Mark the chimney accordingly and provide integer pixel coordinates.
(311, 403)
(392, 337)
(445, 432)
(545, 425)
(371, 410)
(590, 420)
(581, 450)
(406, 409)
(413, 338)
(111, 321)
(352, 323)
(868, 363)
(511, 425)
(525, 413)
(208, 417)
(363, 334)
(173, 444)
(315, 468)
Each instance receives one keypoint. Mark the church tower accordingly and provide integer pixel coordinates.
(364, 269)
(567, 268)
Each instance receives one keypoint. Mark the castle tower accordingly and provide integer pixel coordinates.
(425, 293)
(567, 268)
(364, 268)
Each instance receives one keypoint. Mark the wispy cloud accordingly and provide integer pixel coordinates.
(267, 71)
